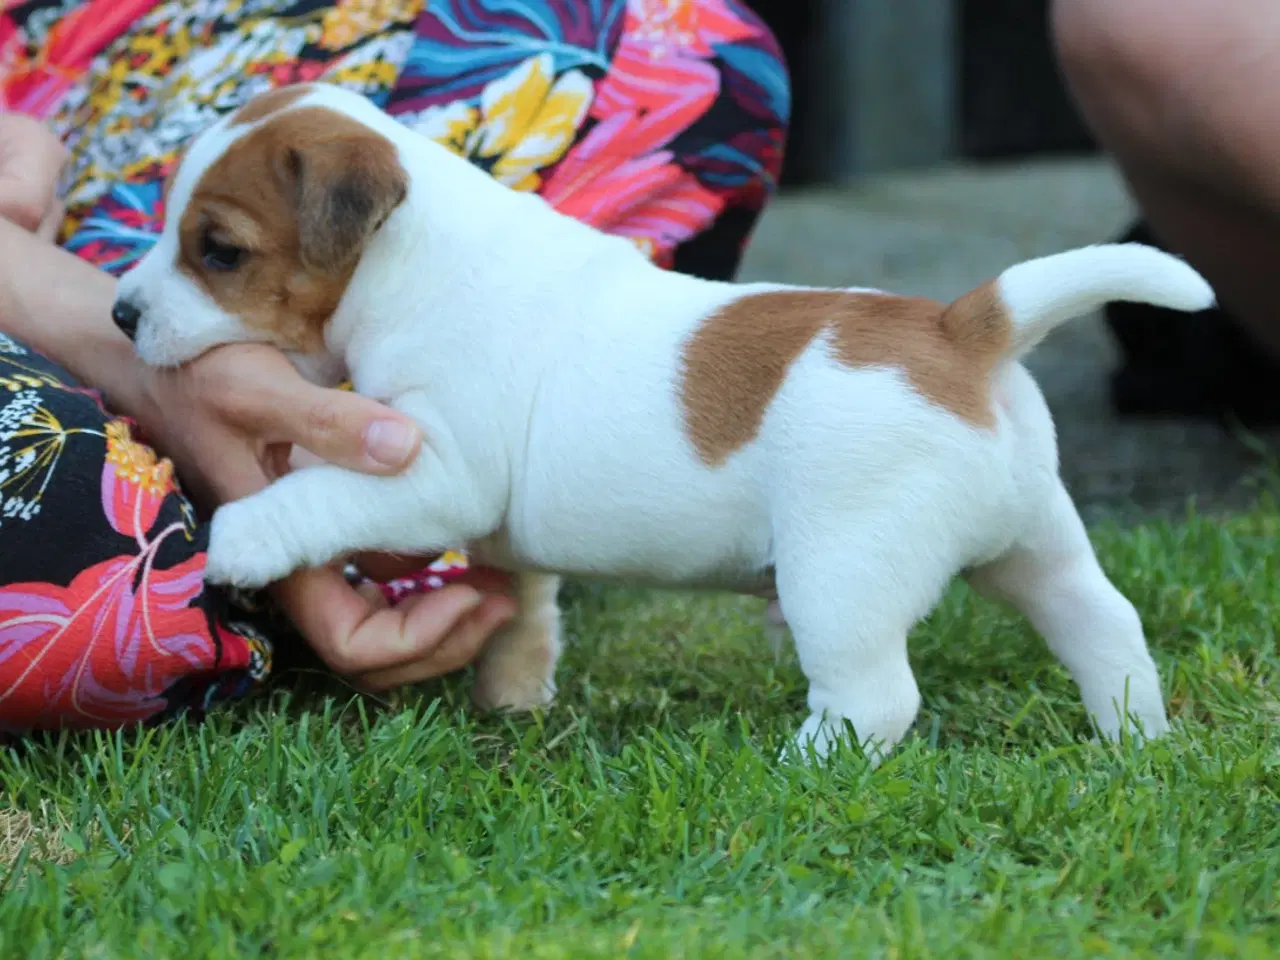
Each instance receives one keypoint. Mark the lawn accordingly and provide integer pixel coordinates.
(645, 816)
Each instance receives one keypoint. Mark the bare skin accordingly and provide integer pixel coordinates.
(227, 420)
(1185, 94)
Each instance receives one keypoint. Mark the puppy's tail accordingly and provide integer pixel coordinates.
(1028, 301)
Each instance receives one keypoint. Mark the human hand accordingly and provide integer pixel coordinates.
(228, 421)
(31, 160)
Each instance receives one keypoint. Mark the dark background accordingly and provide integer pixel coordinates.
(1010, 100)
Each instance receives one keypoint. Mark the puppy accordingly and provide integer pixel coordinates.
(845, 451)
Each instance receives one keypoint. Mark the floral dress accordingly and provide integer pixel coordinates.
(662, 121)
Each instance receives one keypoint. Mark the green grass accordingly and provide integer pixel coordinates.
(645, 816)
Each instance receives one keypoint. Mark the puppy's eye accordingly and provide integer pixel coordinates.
(218, 255)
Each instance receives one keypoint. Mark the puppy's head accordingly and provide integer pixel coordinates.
(268, 215)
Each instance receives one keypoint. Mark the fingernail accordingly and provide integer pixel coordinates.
(390, 442)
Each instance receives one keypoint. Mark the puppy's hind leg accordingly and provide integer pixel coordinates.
(1052, 576)
(850, 598)
(518, 666)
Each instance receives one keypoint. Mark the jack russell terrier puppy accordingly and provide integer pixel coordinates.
(845, 451)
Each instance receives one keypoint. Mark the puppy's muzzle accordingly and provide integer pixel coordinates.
(126, 316)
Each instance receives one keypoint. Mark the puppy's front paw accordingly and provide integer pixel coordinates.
(516, 694)
(517, 671)
(246, 549)
(1145, 722)
(815, 739)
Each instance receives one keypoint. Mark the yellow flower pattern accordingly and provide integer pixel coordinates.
(135, 463)
(525, 122)
(351, 21)
(183, 64)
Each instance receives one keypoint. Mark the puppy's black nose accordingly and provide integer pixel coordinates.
(126, 317)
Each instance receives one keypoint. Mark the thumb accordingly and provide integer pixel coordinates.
(267, 399)
(31, 158)
(343, 428)
(21, 203)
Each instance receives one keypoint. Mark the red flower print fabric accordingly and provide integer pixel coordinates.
(104, 617)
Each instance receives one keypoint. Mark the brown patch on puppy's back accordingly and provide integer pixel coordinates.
(300, 195)
(979, 320)
(264, 104)
(736, 361)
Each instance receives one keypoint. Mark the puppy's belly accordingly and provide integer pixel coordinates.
(638, 509)
(736, 567)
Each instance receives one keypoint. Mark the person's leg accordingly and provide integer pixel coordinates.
(665, 128)
(104, 616)
(1185, 94)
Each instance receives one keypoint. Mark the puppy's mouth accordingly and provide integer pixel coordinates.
(130, 320)
(150, 348)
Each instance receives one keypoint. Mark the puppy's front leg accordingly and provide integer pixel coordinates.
(517, 669)
(319, 514)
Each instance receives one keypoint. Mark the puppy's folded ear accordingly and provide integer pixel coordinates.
(346, 187)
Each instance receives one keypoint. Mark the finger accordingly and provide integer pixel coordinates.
(257, 389)
(30, 163)
(21, 203)
(346, 429)
(462, 644)
(354, 639)
(373, 595)
(52, 222)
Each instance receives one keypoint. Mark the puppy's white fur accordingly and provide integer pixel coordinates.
(543, 360)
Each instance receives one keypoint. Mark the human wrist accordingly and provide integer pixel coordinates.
(60, 306)
(106, 361)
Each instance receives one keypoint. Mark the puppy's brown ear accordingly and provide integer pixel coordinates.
(346, 187)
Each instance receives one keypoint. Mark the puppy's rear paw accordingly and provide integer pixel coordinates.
(1142, 725)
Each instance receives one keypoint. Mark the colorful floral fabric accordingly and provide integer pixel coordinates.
(46, 48)
(662, 121)
(651, 119)
(103, 616)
